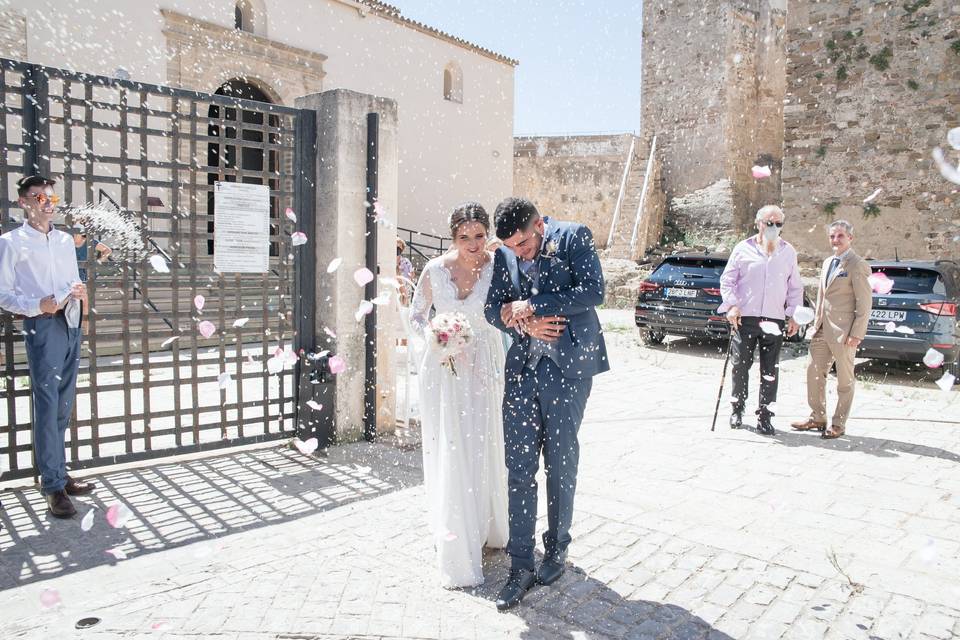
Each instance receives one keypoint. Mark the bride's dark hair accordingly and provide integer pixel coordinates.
(468, 212)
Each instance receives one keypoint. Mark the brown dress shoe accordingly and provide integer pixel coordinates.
(833, 432)
(808, 425)
(60, 506)
(78, 487)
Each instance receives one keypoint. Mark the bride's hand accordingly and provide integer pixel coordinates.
(546, 328)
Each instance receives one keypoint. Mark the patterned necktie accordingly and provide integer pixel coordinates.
(833, 267)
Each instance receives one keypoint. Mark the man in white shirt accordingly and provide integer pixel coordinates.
(40, 282)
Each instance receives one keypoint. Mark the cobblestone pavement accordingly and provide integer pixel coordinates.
(679, 532)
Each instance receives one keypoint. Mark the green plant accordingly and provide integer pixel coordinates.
(871, 210)
(842, 73)
(831, 207)
(881, 60)
(913, 7)
(955, 47)
(862, 52)
(818, 75)
(913, 84)
(821, 151)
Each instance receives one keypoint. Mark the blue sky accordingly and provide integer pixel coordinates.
(579, 59)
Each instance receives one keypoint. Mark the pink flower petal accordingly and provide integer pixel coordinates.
(337, 364)
(306, 447)
(117, 553)
(275, 365)
(298, 238)
(933, 358)
(198, 302)
(118, 514)
(329, 332)
(49, 598)
(363, 276)
(291, 216)
(290, 357)
(880, 283)
(760, 172)
(207, 328)
(450, 536)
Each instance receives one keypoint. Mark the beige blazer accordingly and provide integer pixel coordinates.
(844, 303)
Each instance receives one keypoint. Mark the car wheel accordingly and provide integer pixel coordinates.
(650, 337)
(955, 370)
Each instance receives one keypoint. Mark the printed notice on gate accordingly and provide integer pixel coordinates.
(241, 227)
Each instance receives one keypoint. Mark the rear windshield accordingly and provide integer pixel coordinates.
(910, 280)
(691, 267)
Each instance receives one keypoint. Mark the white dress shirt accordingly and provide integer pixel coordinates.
(34, 265)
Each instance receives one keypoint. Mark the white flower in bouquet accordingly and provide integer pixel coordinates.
(117, 228)
(451, 334)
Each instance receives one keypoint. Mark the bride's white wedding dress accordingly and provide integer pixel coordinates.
(463, 457)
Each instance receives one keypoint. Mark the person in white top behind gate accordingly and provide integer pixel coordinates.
(40, 282)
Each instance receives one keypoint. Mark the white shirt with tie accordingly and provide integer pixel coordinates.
(34, 265)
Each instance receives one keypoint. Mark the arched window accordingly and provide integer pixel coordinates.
(453, 83)
(250, 16)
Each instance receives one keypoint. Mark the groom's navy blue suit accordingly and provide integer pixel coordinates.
(547, 388)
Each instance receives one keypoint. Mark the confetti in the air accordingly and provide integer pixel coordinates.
(329, 332)
(890, 327)
(306, 447)
(907, 331)
(760, 172)
(771, 328)
(159, 263)
(363, 276)
(298, 238)
(953, 138)
(198, 302)
(207, 328)
(275, 365)
(118, 514)
(947, 170)
(337, 364)
(873, 195)
(49, 598)
(169, 341)
(365, 308)
(933, 358)
(382, 299)
(240, 322)
(87, 523)
(313, 404)
(290, 214)
(334, 265)
(803, 315)
(224, 380)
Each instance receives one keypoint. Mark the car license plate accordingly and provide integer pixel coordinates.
(681, 293)
(887, 315)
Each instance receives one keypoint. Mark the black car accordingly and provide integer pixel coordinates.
(918, 314)
(681, 297)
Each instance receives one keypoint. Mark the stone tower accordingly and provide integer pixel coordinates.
(713, 88)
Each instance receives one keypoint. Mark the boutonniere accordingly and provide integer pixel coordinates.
(550, 251)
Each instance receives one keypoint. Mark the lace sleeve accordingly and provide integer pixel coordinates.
(422, 301)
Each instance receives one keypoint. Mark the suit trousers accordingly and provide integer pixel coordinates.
(744, 342)
(542, 412)
(824, 353)
(53, 356)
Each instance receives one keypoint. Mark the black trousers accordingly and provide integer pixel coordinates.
(744, 343)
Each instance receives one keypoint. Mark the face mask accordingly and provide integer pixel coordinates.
(770, 234)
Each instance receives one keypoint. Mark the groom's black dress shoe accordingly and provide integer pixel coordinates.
(736, 419)
(519, 582)
(551, 568)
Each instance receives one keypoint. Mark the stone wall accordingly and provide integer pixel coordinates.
(712, 92)
(13, 35)
(575, 178)
(859, 118)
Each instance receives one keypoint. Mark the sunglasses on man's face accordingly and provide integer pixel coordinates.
(44, 198)
(771, 223)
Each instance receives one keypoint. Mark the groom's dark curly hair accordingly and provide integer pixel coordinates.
(512, 215)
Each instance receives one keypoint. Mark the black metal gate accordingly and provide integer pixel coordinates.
(150, 384)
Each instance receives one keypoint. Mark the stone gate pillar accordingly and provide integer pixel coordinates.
(341, 233)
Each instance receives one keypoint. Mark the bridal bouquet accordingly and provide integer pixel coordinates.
(451, 333)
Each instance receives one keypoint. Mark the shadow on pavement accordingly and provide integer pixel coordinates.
(880, 447)
(716, 348)
(898, 373)
(578, 606)
(175, 504)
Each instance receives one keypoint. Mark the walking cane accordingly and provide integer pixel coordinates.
(723, 379)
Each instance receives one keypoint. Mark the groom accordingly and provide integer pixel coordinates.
(546, 282)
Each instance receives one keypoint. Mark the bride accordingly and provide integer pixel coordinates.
(463, 458)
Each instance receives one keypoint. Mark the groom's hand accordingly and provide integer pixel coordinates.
(512, 312)
(546, 328)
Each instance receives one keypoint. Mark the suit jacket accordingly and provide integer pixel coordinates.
(844, 303)
(570, 285)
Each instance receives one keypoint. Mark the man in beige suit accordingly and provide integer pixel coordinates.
(843, 311)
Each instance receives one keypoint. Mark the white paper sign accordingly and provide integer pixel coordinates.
(241, 227)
